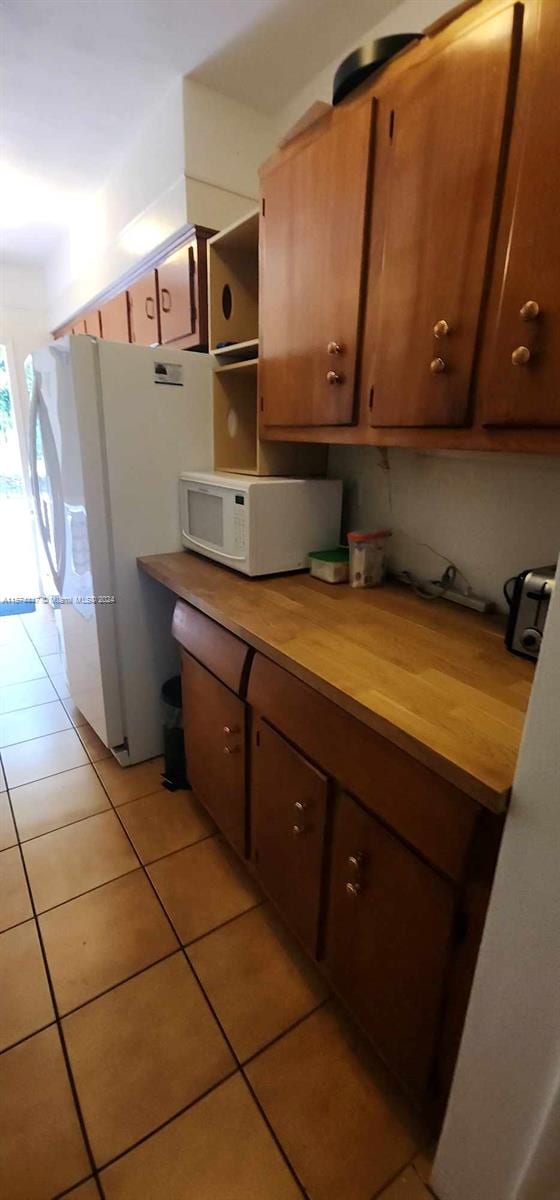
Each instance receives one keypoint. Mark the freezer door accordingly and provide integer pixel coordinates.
(46, 483)
(69, 490)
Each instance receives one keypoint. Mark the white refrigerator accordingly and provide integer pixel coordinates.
(111, 429)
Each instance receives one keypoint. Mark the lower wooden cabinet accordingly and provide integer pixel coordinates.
(389, 925)
(214, 721)
(288, 811)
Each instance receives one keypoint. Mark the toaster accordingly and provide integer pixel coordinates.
(528, 606)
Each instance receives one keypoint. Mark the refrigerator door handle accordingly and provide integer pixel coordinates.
(54, 541)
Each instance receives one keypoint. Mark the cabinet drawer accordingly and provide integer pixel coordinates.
(289, 798)
(388, 932)
(223, 653)
(426, 810)
(214, 721)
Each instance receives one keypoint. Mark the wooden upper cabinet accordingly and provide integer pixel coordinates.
(143, 308)
(312, 244)
(114, 319)
(519, 382)
(440, 133)
(183, 296)
(78, 326)
(388, 933)
(92, 320)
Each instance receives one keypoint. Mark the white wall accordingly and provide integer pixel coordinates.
(501, 1136)
(412, 16)
(193, 160)
(225, 143)
(492, 514)
(141, 204)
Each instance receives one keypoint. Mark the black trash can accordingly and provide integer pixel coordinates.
(175, 770)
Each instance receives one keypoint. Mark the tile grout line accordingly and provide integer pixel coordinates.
(219, 1023)
(182, 948)
(57, 1021)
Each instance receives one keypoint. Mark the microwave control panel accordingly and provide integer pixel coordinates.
(240, 525)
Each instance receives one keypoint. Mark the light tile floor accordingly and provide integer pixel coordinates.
(162, 1037)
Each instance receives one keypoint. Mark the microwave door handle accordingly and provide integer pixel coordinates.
(221, 553)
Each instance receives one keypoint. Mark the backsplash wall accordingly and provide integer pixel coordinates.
(492, 514)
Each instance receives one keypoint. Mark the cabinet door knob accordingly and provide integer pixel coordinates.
(300, 805)
(229, 729)
(529, 311)
(353, 889)
(231, 749)
(520, 356)
(356, 860)
(334, 348)
(297, 830)
(441, 329)
(437, 365)
(334, 377)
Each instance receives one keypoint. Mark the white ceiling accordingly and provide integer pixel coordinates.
(80, 75)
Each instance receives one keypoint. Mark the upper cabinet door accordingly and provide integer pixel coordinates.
(312, 243)
(176, 295)
(440, 133)
(519, 381)
(114, 319)
(93, 322)
(143, 309)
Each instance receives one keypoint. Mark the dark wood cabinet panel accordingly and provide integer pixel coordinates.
(143, 309)
(289, 799)
(519, 382)
(440, 133)
(214, 722)
(114, 319)
(312, 245)
(388, 934)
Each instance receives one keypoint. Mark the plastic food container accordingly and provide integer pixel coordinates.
(330, 565)
(367, 557)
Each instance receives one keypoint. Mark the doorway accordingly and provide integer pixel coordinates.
(19, 577)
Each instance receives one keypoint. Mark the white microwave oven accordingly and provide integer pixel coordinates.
(257, 524)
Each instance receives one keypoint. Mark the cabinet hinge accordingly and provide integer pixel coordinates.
(370, 401)
(391, 124)
(263, 206)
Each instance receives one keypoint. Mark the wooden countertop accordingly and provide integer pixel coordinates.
(434, 678)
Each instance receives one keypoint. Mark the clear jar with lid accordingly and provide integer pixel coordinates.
(367, 557)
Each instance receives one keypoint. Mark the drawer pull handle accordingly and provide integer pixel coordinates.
(356, 860)
(149, 308)
(166, 306)
(334, 348)
(441, 329)
(353, 889)
(334, 377)
(231, 749)
(297, 830)
(521, 356)
(437, 366)
(300, 805)
(229, 729)
(529, 311)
